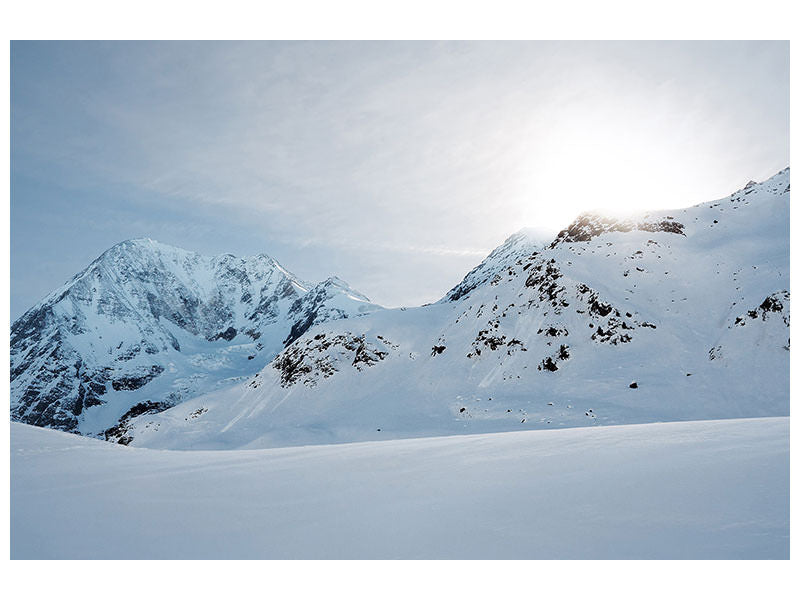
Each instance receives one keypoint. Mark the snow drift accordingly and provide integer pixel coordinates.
(712, 489)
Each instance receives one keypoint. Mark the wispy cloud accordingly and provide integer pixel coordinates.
(442, 149)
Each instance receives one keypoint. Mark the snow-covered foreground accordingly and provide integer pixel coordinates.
(702, 489)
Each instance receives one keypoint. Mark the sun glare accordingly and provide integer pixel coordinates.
(615, 166)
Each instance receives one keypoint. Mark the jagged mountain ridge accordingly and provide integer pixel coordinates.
(146, 326)
(522, 243)
(672, 315)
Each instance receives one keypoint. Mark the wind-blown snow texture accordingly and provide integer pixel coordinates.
(674, 315)
(711, 489)
(146, 326)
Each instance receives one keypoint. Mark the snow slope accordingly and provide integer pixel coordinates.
(146, 326)
(711, 489)
(668, 316)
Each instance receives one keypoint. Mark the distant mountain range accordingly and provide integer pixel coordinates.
(671, 315)
(147, 326)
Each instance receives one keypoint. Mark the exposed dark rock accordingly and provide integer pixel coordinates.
(543, 279)
(367, 355)
(319, 357)
(774, 303)
(292, 367)
(120, 433)
(299, 328)
(548, 364)
(196, 413)
(668, 226)
(589, 226)
(771, 304)
(134, 382)
(488, 339)
(226, 335)
(552, 331)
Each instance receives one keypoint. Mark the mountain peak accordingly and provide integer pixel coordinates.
(142, 246)
(341, 285)
(534, 235)
(517, 246)
(167, 321)
(145, 243)
(150, 245)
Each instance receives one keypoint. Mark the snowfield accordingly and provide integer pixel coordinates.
(688, 490)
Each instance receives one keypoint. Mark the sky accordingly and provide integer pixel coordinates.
(397, 166)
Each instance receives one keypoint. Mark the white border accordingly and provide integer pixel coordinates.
(412, 19)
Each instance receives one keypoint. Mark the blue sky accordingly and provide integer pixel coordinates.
(396, 166)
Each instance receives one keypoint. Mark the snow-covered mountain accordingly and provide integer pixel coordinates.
(523, 243)
(672, 315)
(146, 326)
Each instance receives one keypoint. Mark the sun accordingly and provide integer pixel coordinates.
(609, 166)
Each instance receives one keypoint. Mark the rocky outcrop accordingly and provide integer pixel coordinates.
(589, 226)
(776, 303)
(308, 361)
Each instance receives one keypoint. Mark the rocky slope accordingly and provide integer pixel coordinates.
(674, 315)
(146, 326)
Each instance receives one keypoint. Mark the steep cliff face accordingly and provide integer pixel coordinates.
(147, 325)
(673, 315)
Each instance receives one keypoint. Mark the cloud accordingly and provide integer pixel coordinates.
(442, 149)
